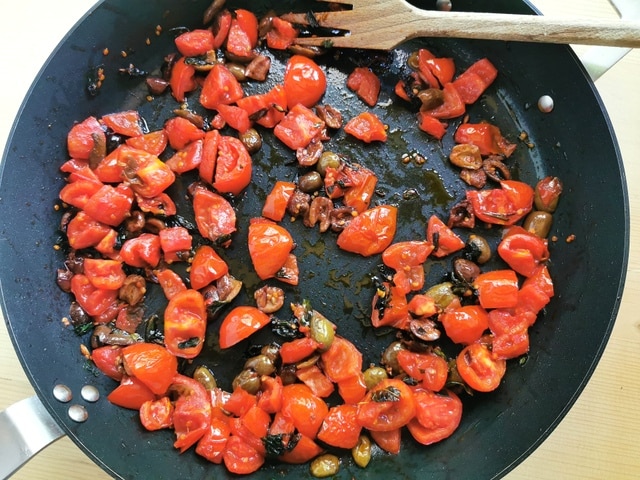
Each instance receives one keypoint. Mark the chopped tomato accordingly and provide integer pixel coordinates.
(452, 107)
(233, 166)
(241, 458)
(214, 441)
(175, 243)
(502, 206)
(142, 252)
(158, 205)
(240, 323)
(182, 80)
(93, 300)
(83, 136)
(371, 232)
(497, 289)
(270, 394)
(352, 389)
(132, 393)
(147, 175)
(316, 380)
(340, 428)
(185, 324)
(479, 368)
(157, 414)
(426, 75)
(485, 136)
(107, 274)
(275, 205)
(235, 117)
(387, 440)
(387, 406)
(206, 267)
(389, 306)
(298, 349)
(445, 240)
(79, 192)
(170, 282)
(442, 68)
(195, 42)
(299, 126)
(429, 369)
(474, 80)
(523, 251)
(269, 247)
(437, 416)
(365, 84)
(127, 123)
(547, 193)
(243, 33)
(187, 158)
(110, 205)
(240, 402)
(192, 414)
(207, 166)
(431, 125)
(367, 127)
(215, 217)
(153, 142)
(465, 324)
(266, 109)
(407, 258)
(342, 361)
(220, 87)
(152, 364)
(181, 132)
(220, 28)
(108, 360)
(306, 410)
(83, 231)
(304, 82)
(304, 451)
(281, 35)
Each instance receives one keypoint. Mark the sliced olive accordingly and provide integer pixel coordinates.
(466, 155)
(374, 375)
(538, 223)
(310, 182)
(361, 453)
(321, 330)
(252, 140)
(205, 377)
(481, 251)
(325, 465)
(465, 270)
(442, 294)
(431, 98)
(237, 70)
(261, 364)
(390, 358)
(414, 60)
(248, 380)
(328, 159)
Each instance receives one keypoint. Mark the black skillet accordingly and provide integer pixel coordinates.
(498, 430)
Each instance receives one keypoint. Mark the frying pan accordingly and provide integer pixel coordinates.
(498, 430)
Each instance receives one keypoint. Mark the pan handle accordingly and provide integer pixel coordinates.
(26, 427)
(598, 60)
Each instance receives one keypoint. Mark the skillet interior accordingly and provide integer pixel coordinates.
(575, 142)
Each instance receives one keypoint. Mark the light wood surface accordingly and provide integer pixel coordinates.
(600, 436)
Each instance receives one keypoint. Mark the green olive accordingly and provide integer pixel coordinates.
(271, 350)
(442, 294)
(480, 248)
(205, 377)
(237, 70)
(321, 330)
(361, 453)
(390, 358)
(248, 380)
(252, 140)
(326, 160)
(261, 364)
(325, 465)
(310, 182)
(374, 375)
(538, 223)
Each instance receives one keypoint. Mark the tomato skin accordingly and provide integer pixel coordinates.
(479, 368)
(185, 322)
(108, 360)
(106, 274)
(367, 127)
(547, 194)
(132, 393)
(523, 251)
(206, 267)
(365, 84)
(306, 410)
(157, 414)
(298, 127)
(215, 217)
(340, 428)
(240, 323)
(192, 414)
(80, 139)
(275, 205)
(445, 240)
(150, 363)
(220, 86)
(195, 42)
(437, 416)
(142, 252)
(233, 166)
(465, 324)
(125, 123)
(497, 289)
(269, 247)
(383, 415)
(371, 232)
(304, 82)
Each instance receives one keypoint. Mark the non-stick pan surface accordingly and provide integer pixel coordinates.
(575, 143)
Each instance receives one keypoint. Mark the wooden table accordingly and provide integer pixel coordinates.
(598, 439)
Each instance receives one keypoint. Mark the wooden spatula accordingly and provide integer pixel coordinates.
(384, 24)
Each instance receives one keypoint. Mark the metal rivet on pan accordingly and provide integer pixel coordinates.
(62, 393)
(90, 393)
(545, 104)
(78, 413)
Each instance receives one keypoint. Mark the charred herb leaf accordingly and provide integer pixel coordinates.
(389, 394)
